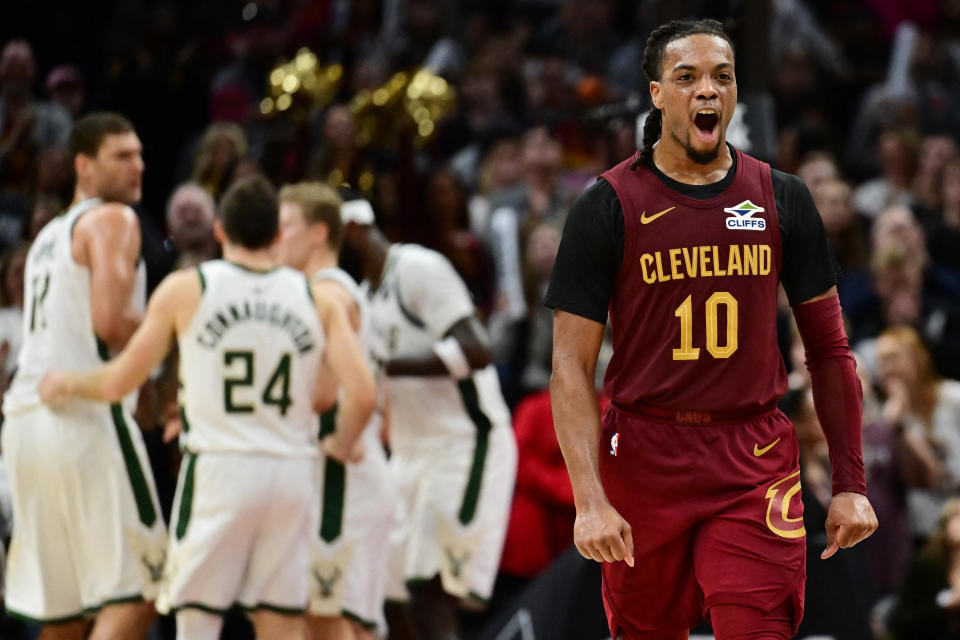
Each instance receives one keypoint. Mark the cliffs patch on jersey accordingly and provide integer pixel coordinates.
(741, 217)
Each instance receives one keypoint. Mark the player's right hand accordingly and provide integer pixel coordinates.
(601, 534)
(53, 387)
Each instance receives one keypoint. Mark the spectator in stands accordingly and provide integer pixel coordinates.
(515, 212)
(65, 87)
(222, 147)
(843, 225)
(924, 411)
(943, 233)
(817, 167)
(908, 290)
(27, 126)
(190, 214)
(446, 218)
(897, 149)
(11, 313)
(928, 605)
(936, 152)
(45, 208)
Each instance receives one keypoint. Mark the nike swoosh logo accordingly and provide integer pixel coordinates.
(645, 219)
(757, 451)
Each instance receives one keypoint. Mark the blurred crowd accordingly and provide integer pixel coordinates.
(860, 98)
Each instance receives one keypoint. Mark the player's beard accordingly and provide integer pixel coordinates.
(698, 156)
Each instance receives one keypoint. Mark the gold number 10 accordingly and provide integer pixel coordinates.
(685, 312)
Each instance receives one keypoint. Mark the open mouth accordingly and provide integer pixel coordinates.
(707, 122)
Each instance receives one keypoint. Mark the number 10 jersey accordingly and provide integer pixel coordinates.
(249, 362)
(694, 306)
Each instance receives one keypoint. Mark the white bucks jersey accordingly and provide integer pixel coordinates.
(249, 362)
(371, 433)
(419, 298)
(57, 320)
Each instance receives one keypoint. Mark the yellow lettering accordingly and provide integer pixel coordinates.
(675, 272)
(764, 259)
(661, 276)
(750, 260)
(733, 261)
(717, 271)
(691, 264)
(646, 261)
(705, 270)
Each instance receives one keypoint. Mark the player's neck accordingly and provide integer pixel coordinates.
(320, 259)
(81, 193)
(375, 262)
(672, 159)
(254, 259)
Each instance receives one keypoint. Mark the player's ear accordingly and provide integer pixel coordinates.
(319, 234)
(218, 233)
(655, 96)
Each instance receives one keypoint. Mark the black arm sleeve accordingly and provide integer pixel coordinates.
(809, 267)
(590, 255)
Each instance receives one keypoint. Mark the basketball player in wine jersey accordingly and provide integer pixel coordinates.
(688, 487)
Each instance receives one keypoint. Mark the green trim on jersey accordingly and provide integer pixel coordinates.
(369, 625)
(309, 289)
(471, 494)
(138, 481)
(199, 606)
(183, 420)
(87, 613)
(259, 272)
(334, 490)
(186, 497)
(203, 281)
(275, 608)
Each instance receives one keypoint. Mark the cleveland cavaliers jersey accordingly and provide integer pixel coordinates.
(419, 298)
(693, 311)
(57, 320)
(249, 361)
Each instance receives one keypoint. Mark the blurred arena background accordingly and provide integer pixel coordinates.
(471, 125)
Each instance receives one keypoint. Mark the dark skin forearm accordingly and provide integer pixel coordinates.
(467, 332)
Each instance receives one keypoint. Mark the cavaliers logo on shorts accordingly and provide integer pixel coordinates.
(781, 496)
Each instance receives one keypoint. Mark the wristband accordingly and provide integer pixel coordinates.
(452, 357)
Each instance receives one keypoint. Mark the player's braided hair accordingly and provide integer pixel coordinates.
(652, 68)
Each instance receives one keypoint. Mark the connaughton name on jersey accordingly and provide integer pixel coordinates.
(256, 311)
(706, 261)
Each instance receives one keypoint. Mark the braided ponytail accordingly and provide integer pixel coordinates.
(651, 133)
(652, 63)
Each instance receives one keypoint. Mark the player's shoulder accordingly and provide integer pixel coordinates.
(106, 220)
(413, 260)
(597, 207)
(599, 194)
(786, 184)
(112, 213)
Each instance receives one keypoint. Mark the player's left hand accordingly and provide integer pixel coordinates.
(334, 447)
(54, 387)
(849, 520)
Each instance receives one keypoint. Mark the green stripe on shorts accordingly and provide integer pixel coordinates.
(471, 495)
(138, 481)
(328, 421)
(334, 488)
(186, 497)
